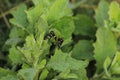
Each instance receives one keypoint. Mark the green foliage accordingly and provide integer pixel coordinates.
(83, 50)
(56, 12)
(6, 74)
(63, 62)
(84, 26)
(36, 12)
(15, 55)
(9, 77)
(27, 74)
(106, 52)
(114, 12)
(19, 19)
(65, 27)
(102, 13)
(104, 46)
(90, 47)
(113, 65)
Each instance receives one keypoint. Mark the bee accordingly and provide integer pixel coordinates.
(50, 35)
(59, 41)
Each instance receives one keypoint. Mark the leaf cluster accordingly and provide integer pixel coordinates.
(90, 50)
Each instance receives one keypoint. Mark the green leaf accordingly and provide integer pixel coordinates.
(19, 17)
(118, 27)
(34, 13)
(13, 41)
(73, 75)
(112, 66)
(35, 50)
(67, 75)
(62, 61)
(67, 48)
(39, 69)
(5, 72)
(115, 78)
(16, 32)
(81, 73)
(101, 13)
(115, 66)
(65, 27)
(107, 65)
(28, 48)
(47, 3)
(105, 46)
(114, 12)
(83, 50)
(41, 64)
(58, 10)
(43, 74)
(26, 74)
(68, 66)
(84, 26)
(9, 77)
(41, 26)
(14, 55)
(36, 2)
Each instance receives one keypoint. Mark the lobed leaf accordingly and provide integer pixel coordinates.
(61, 61)
(34, 13)
(114, 12)
(115, 66)
(15, 55)
(64, 28)
(5, 72)
(105, 46)
(84, 25)
(40, 27)
(29, 49)
(19, 17)
(27, 74)
(106, 65)
(9, 77)
(83, 50)
(57, 10)
(13, 41)
(16, 32)
(101, 13)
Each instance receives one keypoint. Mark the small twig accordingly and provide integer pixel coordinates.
(1, 31)
(88, 6)
(5, 19)
(72, 1)
(7, 12)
